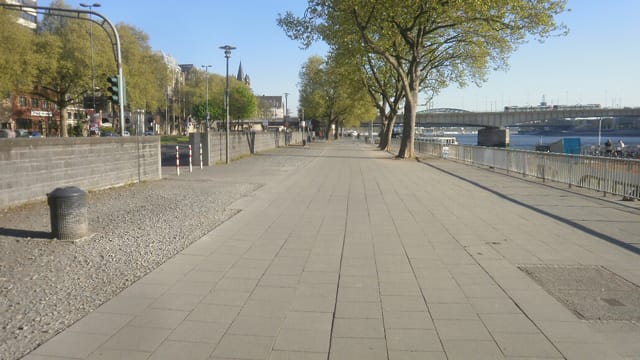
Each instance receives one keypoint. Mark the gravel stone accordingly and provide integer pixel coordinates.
(47, 285)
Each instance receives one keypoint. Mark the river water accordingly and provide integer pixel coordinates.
(529, 142)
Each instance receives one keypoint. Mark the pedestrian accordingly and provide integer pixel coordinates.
(619, 148)
(608, 147)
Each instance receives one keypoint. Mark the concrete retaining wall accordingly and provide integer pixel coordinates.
(240, 144)
(31, 168)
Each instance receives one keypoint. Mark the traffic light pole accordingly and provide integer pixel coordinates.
(75, 14)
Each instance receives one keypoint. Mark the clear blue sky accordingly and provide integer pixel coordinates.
(596, 63)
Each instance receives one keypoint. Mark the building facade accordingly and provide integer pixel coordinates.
(28, 17)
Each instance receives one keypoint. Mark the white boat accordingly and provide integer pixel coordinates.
(441, 140)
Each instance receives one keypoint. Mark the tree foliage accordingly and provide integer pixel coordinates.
(242, 102)
(428, 44)
(16, 47)
(67, 55)
(331, 95)
(144, 70)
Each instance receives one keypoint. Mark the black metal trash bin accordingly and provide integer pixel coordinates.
(68, 210)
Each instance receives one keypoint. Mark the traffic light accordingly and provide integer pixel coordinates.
(114, 82)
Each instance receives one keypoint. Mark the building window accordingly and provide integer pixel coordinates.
(28, 17)
(45, 104)
(23, 101)
(35, 103)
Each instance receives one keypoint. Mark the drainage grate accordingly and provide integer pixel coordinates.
(591, 292)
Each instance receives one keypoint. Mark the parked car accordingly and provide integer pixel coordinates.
(35, 134)
(125, 133)
(107, 134)
(149, 133)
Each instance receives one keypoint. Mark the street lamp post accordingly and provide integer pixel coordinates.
(206, 69)
(227, 54)
(93, 79)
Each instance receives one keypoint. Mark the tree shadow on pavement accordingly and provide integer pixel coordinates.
(622, 244)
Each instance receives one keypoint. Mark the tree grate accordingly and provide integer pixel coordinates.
(591, 292)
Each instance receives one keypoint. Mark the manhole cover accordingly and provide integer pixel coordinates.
(591, 292)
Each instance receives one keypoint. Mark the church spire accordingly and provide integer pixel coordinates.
(240, 76)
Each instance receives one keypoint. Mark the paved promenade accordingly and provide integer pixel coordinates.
(360, 256)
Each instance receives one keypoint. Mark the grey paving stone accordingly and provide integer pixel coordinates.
(137, 339)
(114, 354)
(472, 349)
(403, 303)
(265, 308)
(273, 293)
(349, 349)
(462, 330)
(170, 350)
(258, 326)
(199, 331)
(182, 302)
(358, 328)
(417, 355)
(302, 340)
(158, 317)
(308, 320)
(501, 305)
(525, 345)
(313, 304)
(510, 323)
(214, 313)
(243, 347)
(296, 355)
(101, 323)
(362, 310)
(141, 289)
(226, 297)
(453, 311)
(71, 345)
(407, 320)
(413, 340)
(125, 305)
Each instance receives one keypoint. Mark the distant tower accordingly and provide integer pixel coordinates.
(242, 77)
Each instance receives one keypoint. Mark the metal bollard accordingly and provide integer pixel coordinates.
(190, 160)
(68, 212)
(177, 160)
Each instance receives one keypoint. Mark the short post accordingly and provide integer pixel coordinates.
(177, 160)
(68, 213)
(190, 160)
(200, 156)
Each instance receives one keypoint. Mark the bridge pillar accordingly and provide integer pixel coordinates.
(493, 137)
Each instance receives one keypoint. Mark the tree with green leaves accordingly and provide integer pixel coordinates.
(331, 95)
(242, 102)
(144, 70)
(429, 44)
(63, 67)
(16, 62)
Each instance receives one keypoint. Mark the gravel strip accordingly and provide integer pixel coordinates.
(47, 285)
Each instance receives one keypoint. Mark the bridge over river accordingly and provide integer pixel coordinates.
(510, 118)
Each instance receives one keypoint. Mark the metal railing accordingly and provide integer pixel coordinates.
(616, 176)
